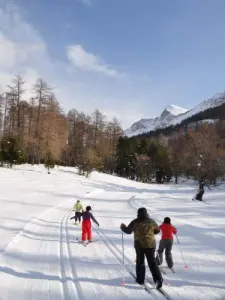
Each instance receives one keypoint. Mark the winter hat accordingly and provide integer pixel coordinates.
(88, 208)
(167, 220)
(142, 213)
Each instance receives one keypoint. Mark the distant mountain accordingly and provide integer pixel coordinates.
(174, 115)
(146, 125)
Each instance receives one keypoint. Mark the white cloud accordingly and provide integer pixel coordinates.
(12, 53)
(87, 61)
(7, 52)
(23, 51)
(21, 48)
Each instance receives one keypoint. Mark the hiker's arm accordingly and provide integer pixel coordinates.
(127, 229)
(93, 218)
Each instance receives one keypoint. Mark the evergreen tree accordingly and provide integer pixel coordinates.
(1, 158)
(10, 152)
(144, 168)
(110, 164)
(142, 147)
(91, 161)
(126, 158)
(162, 165)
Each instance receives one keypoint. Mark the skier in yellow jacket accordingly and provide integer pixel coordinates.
(78, 208)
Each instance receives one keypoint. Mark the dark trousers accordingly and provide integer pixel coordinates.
(78, 216)
(149, 253)
(167, 246)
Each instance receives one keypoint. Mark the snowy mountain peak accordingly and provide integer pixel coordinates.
(145, 125)
(173, 110)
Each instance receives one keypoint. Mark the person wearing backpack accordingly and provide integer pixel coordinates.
(144, 229)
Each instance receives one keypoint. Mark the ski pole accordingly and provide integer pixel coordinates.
(123, 281)
(185, 265)
(123, 247)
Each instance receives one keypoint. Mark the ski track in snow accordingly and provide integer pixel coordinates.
(41, 259)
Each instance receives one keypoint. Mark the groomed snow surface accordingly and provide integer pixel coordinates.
(41, 259)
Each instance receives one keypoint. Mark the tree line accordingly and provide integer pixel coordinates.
(199, 155)
(37, 129)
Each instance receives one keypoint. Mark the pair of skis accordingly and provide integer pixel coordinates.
(84, 243)
(148, 288)
(164, 272)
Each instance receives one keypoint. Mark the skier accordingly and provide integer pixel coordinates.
(201, 190)
(78, 208)
(144, 229)
(166, 242)
(86, 224)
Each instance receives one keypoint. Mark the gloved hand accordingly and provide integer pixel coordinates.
(122, 226)
(98, 224)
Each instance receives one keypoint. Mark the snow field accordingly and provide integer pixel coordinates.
(41, 259)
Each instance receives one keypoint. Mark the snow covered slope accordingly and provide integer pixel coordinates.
(41, 259)
(173, 115)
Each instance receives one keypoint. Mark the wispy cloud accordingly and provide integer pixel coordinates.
(12, 53)
(87, 61)
(21, 50)
(24, 51)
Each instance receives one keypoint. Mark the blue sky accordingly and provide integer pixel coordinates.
(129, 58)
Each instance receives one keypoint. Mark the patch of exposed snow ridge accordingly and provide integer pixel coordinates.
(173, 115)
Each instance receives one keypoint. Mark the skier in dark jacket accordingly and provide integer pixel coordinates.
(86, 224)
(144, 229)
(166, 242)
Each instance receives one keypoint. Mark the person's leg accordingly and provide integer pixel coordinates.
(159, 257)
(154, 268)
(79, 217)
(76, 217)
(168, 253)
(140, 265)
(84, 231)
(89, 232)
